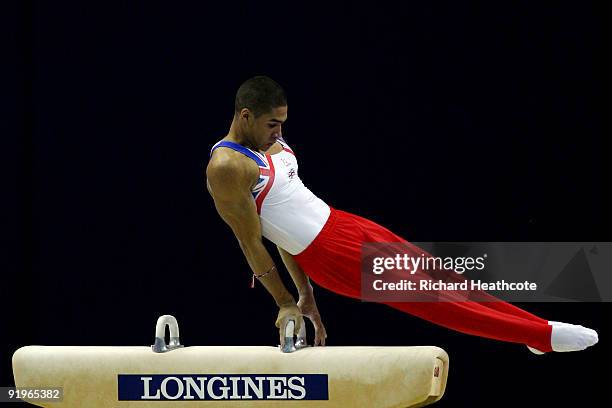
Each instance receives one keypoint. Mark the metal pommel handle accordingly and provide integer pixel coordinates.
(160, 345)
(289, 345)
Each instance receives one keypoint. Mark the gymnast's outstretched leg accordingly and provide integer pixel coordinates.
(333, 261)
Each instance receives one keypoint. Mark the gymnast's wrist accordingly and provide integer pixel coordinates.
(305, 290)
(285, 300)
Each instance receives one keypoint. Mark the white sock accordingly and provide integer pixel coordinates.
(553, 323)
(569, 337)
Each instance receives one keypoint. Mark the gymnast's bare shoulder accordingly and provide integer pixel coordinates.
(230, 172)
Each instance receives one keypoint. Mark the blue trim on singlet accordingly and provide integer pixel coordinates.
(241, 149)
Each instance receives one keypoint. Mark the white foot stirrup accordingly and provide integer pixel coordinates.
(535, 350)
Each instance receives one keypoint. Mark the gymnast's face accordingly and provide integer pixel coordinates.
(265, 129)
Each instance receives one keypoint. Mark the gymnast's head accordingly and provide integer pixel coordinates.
(260, 109)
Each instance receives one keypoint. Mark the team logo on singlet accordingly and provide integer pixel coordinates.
(291, 174)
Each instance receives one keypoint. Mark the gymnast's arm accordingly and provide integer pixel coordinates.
(306, 303)
(230, 176)
(300, 279)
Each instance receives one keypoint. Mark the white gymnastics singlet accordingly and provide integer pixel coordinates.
(291, 215)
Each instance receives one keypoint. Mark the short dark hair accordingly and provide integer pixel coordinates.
(260, 95)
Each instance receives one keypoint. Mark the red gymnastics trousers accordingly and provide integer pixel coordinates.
(333, 261)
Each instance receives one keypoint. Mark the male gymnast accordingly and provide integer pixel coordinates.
(253, 178)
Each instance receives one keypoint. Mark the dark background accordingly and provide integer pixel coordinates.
(457, 121)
